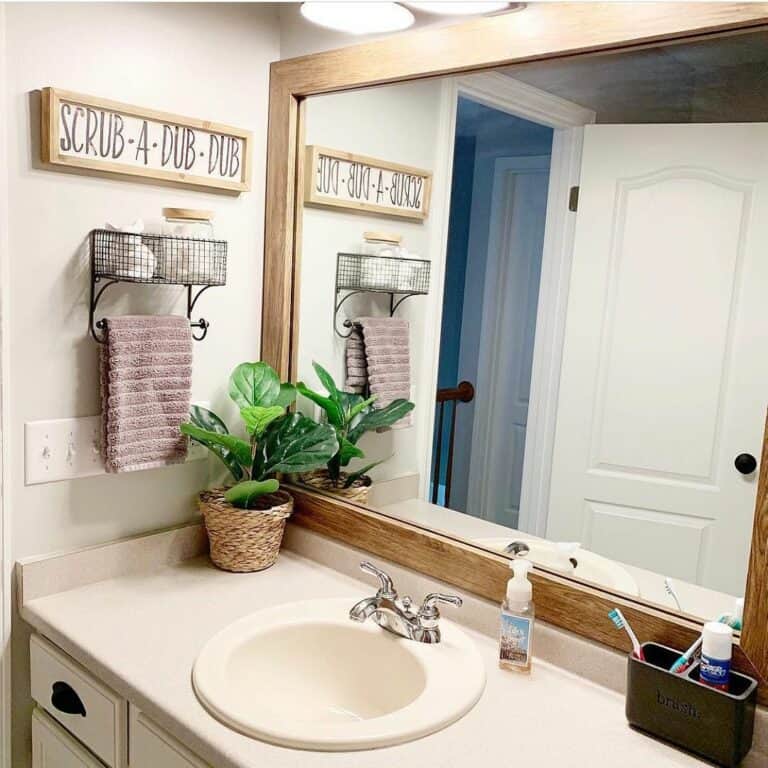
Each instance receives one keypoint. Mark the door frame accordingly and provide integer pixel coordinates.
(482, 475)
(567, 119)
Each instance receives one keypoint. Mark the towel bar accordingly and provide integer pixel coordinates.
(202, 323)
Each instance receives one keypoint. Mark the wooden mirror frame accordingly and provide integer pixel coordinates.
(542, 31)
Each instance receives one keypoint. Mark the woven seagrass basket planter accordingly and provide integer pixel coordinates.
(245, 540)
(320, 481)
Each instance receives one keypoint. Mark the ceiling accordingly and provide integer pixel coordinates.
(718, 80)
(298, 36)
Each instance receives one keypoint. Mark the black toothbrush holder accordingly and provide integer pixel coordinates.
(677, 708)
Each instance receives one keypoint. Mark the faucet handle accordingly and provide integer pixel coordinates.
(429, 609)
(387, 588)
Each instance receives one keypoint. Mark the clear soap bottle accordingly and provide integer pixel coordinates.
(517, 616)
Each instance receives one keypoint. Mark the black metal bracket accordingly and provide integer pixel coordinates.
(393, 305)
(97, 292)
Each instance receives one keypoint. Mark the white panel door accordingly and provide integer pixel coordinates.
(665, 372)
(510, 299)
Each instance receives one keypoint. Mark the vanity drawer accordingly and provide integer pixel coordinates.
(84, 706)
(151, 747)
(53, 747)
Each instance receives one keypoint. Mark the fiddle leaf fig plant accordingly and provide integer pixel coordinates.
(351, 416)
(277, 441)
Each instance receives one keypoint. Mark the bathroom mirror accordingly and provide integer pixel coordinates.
(582, 353)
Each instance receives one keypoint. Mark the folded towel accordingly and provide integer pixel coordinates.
(357, 369)
(379, 361)
(146, 377)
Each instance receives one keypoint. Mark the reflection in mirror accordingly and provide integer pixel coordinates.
(561, 265)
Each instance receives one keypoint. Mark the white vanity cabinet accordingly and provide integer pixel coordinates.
(81, 723)
(151, 747)
(88, 709)
(53, 747)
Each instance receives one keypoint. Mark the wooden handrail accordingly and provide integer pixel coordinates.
(464, 392)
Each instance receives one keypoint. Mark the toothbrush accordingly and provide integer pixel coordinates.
(617, 617)
(685, 660)
(669, 586)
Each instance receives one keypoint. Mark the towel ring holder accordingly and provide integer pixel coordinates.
(393, 305)
(202, 323)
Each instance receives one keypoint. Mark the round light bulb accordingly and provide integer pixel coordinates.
(358, 18)
(459, 9)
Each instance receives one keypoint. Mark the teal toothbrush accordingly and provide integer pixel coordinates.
(685, 660)
(617, 617)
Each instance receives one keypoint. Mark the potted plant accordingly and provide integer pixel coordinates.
(245, 522)
(351, 416)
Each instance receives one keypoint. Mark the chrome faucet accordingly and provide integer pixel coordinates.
(396, 615)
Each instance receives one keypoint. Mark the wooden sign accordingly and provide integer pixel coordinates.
(95, 134)
(344, 180)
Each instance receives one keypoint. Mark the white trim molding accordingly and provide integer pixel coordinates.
(509, 95)
(565, 169)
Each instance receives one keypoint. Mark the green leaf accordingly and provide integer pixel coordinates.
(352, 476)
(244, 494)
(327, 381)
(205, 419)
(254, 384)
(295, 443)
(348, 451)
(257, 418)
(348, 400)
(209, 421)
(239, 448)
(287, 395)
(380, 417)
(360, 407)
(331, 407)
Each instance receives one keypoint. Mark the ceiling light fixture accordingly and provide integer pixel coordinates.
(358, 18)
(461, 9)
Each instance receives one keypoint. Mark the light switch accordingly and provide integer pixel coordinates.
(62, 449)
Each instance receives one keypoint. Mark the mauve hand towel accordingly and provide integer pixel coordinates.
(388, 361)
(146, 380)
(357, 367)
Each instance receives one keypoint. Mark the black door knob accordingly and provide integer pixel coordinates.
(745, 463)
(64, 698)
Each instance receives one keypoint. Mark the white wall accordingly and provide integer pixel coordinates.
(5, 552)
(402, 124)
(194, 59)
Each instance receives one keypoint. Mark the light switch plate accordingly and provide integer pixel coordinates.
(62, 449)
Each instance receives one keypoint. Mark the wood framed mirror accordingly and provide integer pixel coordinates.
(571, 32)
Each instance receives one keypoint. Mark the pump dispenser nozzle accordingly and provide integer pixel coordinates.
(519, 588)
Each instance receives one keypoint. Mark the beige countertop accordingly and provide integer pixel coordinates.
(141, 634)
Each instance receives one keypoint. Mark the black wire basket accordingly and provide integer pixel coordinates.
(387, 274)
(142, 258)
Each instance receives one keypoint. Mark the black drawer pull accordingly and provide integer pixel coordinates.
(65, 699)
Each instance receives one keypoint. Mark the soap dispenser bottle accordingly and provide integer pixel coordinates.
(517, 617)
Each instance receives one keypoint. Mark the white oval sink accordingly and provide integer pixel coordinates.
(305, 675)
(591, 567)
